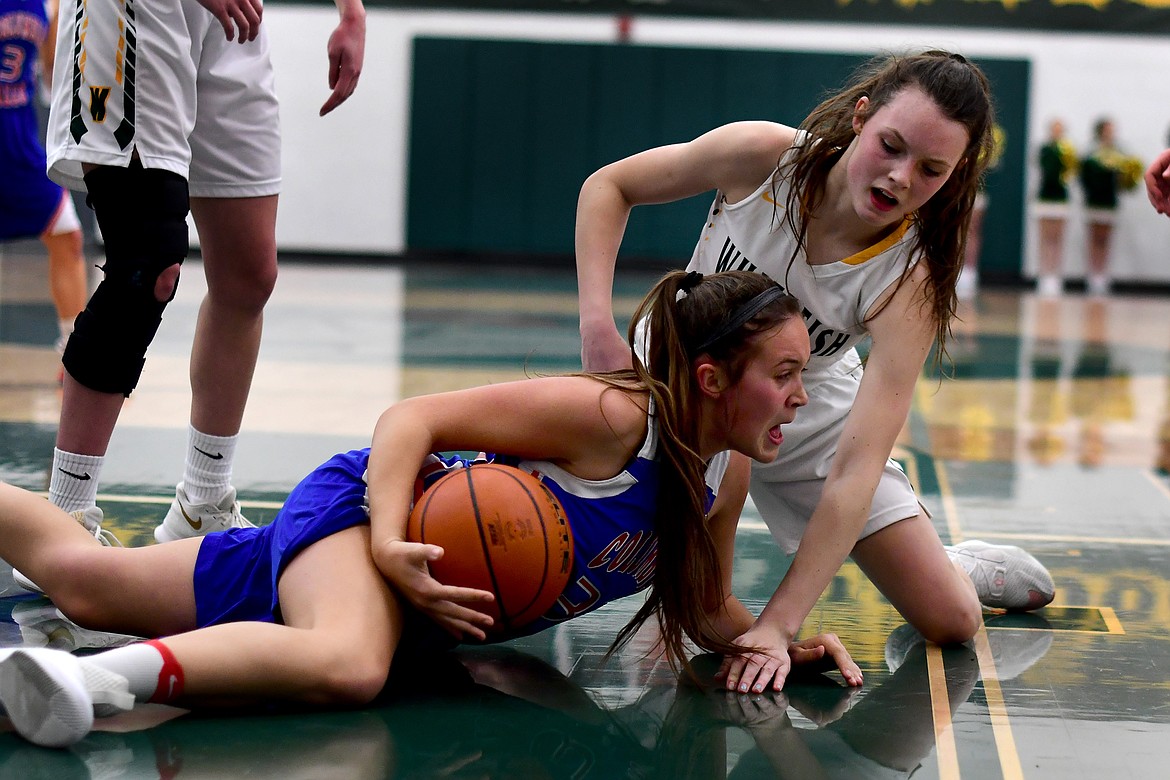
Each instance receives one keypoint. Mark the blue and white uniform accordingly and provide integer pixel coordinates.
(752, 235)
(30, 204)
(612, 523)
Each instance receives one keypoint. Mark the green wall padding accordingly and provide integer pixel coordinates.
(503, 134)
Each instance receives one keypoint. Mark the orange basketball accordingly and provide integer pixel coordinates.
(501, 531)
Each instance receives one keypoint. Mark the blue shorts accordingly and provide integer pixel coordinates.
(236, 571)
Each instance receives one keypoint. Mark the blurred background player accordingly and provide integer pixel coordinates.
(1058, 162)
(1105, 172)
(32, 206)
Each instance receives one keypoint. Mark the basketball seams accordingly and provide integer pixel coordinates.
(543, 530)
(487, 556)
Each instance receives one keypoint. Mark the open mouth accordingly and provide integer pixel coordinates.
(883, 199)
(774, 434)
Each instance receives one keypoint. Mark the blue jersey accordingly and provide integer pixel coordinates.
(612, 522)
(28, 199)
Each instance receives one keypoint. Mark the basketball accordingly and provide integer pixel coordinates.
(502, 531)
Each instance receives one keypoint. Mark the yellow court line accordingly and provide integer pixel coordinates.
(940, 709)
(1110, 618)
(1005, 742)
(950, 508)
(1126, 540)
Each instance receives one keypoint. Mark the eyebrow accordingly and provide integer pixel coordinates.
(934, 160)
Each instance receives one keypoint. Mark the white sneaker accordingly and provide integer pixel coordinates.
(1005, 577)
(1098, 285)
(51, 697)
(91, 520)
(185, 520)
(42, 625)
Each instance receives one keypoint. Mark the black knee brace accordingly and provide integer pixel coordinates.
(142, 213)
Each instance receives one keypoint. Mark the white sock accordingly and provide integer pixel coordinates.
(207, 476)
(139, 663)
(73, 484)
(65, 328)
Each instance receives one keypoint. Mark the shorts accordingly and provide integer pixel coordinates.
(787, 506)
(29, 201)
(237, 571)
(197, 104)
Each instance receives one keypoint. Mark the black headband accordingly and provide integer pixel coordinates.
(742, 315)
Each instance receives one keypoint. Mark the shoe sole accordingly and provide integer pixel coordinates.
(46, 709)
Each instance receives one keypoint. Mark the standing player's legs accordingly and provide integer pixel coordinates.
(1051, 256)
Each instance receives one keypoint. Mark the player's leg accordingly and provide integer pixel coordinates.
(343, 625)
(68, 275)
(907, 562)
(235, 178)
(238, 243)
(143, 591)
(142, 213)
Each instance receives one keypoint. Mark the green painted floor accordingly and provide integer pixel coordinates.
(1051, 432)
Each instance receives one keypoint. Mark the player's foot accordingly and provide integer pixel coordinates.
(185, 519)
(1005, 577)
(51, 697)
(42, 625)
(91, 520)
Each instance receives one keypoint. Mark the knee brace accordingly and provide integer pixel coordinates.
(142, 214)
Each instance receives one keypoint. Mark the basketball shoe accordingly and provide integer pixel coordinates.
(185, 520)
(1005, 577)
(51, 696)
(43, 625)
(91, 520)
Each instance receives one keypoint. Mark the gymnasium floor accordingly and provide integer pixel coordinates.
(1054, 433)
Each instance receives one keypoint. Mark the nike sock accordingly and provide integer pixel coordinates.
(73, 484)
(207, 476)
(149, 667)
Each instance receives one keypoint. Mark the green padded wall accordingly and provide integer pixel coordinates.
(503, 133)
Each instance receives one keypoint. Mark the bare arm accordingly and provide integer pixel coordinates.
(48, 47)
(566, 420)
(734, 159)
(902, 337)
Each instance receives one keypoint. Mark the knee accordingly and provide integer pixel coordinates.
(245, 289)
(353, 676)
(959, 624)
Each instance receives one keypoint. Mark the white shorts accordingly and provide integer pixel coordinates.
(66, 219)
(787, 506)
(171, 88)
(1100, 216)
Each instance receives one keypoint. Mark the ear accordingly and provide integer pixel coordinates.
(859, 113)
(711, 378)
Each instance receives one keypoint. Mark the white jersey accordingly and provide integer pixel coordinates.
(753, 235)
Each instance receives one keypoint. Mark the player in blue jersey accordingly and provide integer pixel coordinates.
(32, 206)
(314, 607)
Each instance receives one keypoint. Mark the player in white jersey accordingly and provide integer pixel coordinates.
(162, 107)
(862, 214)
